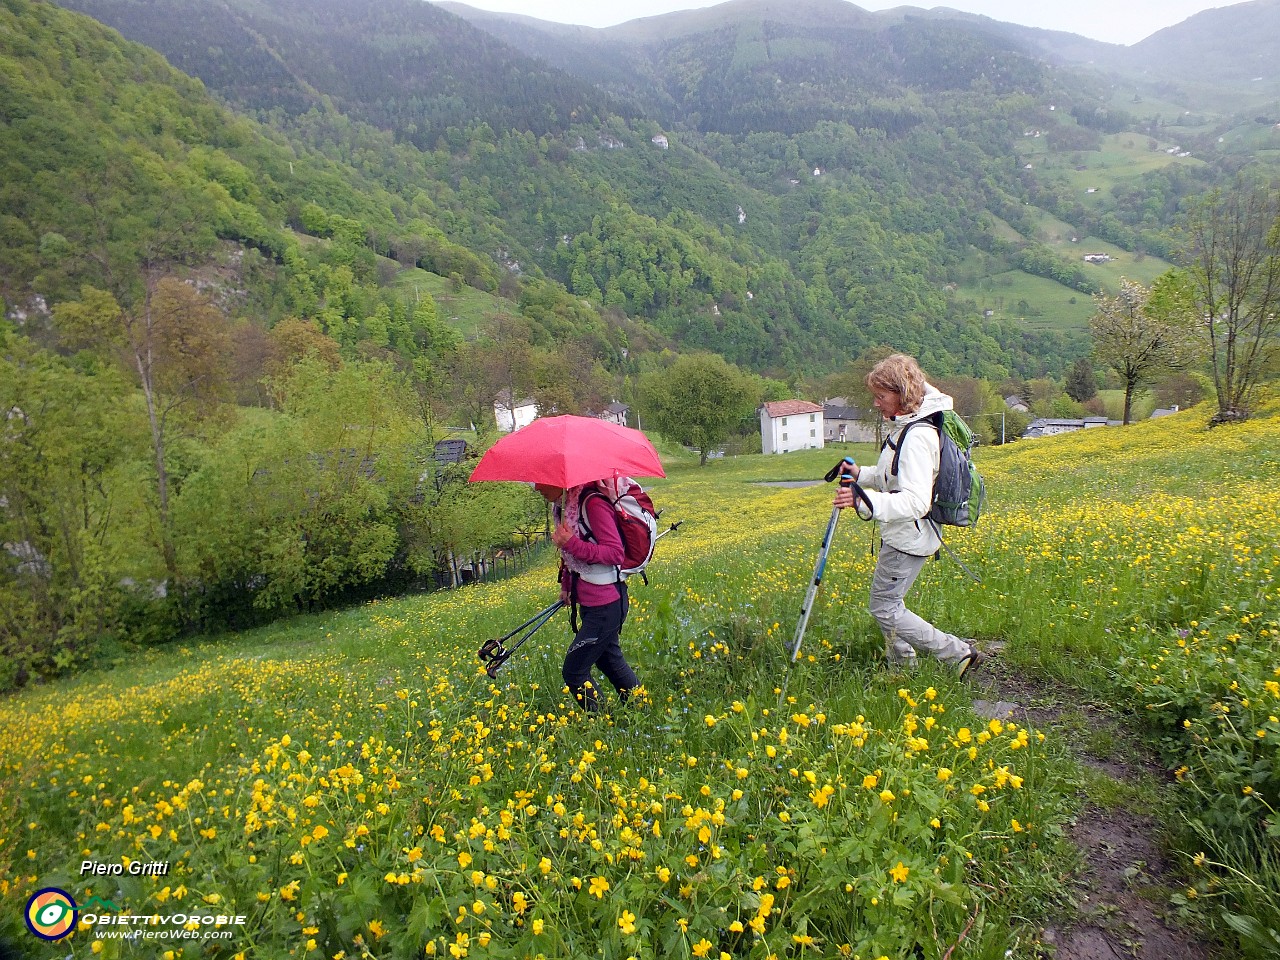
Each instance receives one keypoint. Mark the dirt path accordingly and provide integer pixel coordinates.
(1122, 891)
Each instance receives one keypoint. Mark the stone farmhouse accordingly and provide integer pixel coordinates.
(842, 423)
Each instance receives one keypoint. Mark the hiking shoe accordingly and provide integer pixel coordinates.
(970, 664)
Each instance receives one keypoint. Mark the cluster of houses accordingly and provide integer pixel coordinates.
(789, 425)
(1051, 426)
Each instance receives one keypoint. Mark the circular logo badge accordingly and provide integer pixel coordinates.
(51, 914)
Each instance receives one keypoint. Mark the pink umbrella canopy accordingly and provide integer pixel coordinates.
(568, 451)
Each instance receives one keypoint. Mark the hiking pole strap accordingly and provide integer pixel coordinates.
(838, 471)
(860, 494)
(952, 554)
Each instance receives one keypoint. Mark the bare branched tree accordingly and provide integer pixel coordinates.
(1233, 263)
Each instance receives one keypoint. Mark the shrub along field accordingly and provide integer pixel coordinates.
(355, 785)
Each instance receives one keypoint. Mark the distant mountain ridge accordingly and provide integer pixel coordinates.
(701, 67)
(1234, 45)
(1239, 44)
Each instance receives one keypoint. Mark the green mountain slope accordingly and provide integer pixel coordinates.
(111, 160)
(403, 65)
(786, 184)
(649, 232)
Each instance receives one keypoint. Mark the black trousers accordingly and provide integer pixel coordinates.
(598, 644)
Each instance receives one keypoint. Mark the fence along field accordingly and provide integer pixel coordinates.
(353, 784)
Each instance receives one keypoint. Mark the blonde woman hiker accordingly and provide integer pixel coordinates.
(902, 395)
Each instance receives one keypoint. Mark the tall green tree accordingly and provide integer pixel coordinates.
(1081, 383)
(295, 507)
(67, 442)
(177, 346)
(1233, 263)
(699, 400)
(1142, 333)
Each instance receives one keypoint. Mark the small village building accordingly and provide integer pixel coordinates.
(787, 425)
(510, 415)
(616, 413)
(1052, 426)
(842, 423)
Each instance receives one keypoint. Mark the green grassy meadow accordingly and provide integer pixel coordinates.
(354, 785)
(1054, 306)
(465, 309)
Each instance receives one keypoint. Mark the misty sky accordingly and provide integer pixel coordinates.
(1108, 20)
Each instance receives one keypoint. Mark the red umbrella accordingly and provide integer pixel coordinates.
(568, 451)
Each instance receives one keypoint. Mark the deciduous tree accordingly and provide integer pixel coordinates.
(1142, 333)
(175, 343)
(66, 447)
(698, 400)
(1233, 265)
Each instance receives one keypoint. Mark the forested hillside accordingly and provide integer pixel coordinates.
(198, 325)
(403, 65)
(689, 241)
(905, 136)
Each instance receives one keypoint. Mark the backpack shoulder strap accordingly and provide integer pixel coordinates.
(584, 498)
(583, 522)
(902, 439)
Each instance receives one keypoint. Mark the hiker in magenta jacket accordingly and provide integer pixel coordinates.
(901, 503)
(591, 552)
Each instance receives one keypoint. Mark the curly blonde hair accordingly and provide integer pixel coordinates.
(901, 374)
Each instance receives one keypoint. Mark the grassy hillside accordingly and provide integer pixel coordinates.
(354, 782)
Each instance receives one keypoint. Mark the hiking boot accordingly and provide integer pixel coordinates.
(971, 663)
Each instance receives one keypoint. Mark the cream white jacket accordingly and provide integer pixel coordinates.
(900, 503)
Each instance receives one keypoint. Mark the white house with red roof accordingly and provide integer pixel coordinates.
(787, 425)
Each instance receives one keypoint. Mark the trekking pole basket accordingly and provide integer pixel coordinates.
(493, 653)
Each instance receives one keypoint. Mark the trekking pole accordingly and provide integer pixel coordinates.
(494, 654)
(820, 567)
(674, 528)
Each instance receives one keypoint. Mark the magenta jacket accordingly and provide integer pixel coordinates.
(606, 550)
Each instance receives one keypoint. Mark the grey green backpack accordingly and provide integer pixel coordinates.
(958, 493)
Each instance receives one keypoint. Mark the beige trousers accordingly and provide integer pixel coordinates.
(905, 633)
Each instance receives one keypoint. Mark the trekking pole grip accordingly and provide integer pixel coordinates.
(839, 471)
